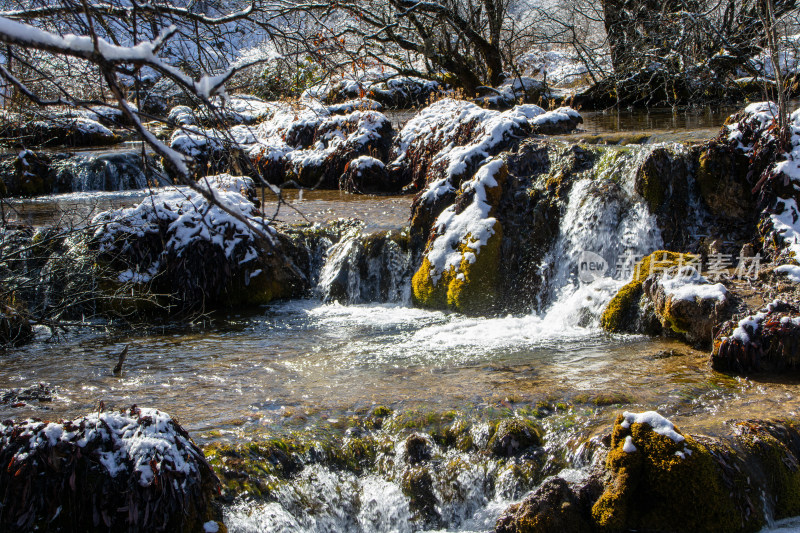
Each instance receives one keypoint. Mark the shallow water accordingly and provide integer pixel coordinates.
(378, 212)
(303, 362)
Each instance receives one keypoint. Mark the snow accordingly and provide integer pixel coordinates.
(688, 284)
(144, 442)
(792, 272)
(188, 216)
(471, 228)
(628, 446)
(657, 423)
(785, 224)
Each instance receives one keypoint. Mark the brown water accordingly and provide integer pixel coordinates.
(379, 212)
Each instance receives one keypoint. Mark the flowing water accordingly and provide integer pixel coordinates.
(308, 365)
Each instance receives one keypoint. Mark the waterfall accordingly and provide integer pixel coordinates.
(368, 268)
(604, 216)
(108, 171)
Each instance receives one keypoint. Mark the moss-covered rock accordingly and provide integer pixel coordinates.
(460, 268)
(656, 478)
(253, 470)
(687, 304)
(417, 485)
(663, 480)
(513, 436)
(620, 315)
(552, 507)
(722, 181)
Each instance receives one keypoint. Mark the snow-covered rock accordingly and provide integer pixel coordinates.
(107, 470)
(461, 260)
(57, 131)
(367, 175)
(202, 252)
(768, 340)
(688, 304)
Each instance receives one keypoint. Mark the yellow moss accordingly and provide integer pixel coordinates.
(472, 288)
(655, 489)
(776, 460)
(620, 307)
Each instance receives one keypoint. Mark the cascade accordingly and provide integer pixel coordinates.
(108, 171)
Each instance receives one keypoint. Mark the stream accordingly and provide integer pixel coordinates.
(307, 365)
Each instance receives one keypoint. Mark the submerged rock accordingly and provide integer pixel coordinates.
(123, 471)
(513, 436)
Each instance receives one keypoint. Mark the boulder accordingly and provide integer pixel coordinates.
(56, 131)
(312, 148)
(461, 261)
(768, 341)
(15, 329)
(178, 243)
(660, 479)
(655, 478)
(552, 507)
(28, 173)
(623, 312)
(687, 304)
(367, 175)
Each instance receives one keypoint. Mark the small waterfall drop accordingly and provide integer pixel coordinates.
(108, 171)
(368, 268)
(605, 217)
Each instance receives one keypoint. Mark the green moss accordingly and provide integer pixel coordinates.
(470, 290)
(381, 411)
(654, 488)
(650, 184)
(355, 453)
(256, 469)
(622, 308)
